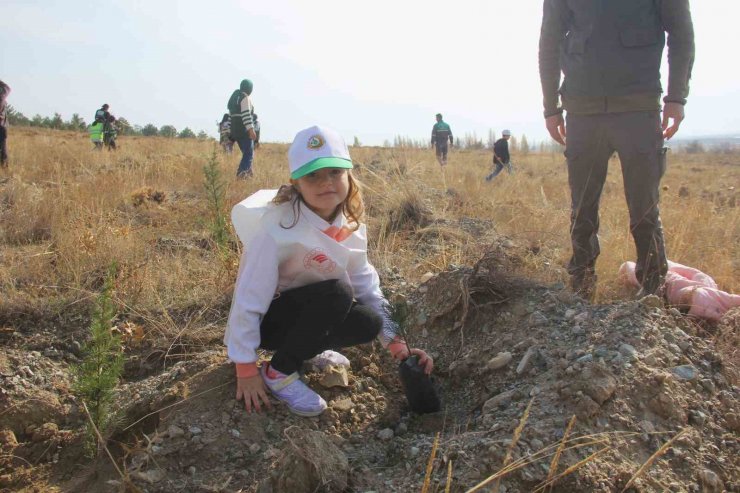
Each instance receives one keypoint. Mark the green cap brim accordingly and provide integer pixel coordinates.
(322, 162)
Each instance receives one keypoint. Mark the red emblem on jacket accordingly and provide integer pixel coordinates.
(319, 260)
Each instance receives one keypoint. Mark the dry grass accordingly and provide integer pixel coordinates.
(66, 212)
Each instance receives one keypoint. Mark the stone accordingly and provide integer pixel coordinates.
(710, 481)
(570, 313)
(733, 421)
(687, 373)
(498, 401)
(343, 405)
(577, 330)
(499, 361)
(175, 431)
(650, 359)
(708, 385)
(385, 434)
(526, 360)
(401, 429)
(334, 376)
(414, 452)
(151, 476)
(586, 358)
(8, 439)
(586, 407)
(194, 430)
(235, 433)
(254, 448)
(537, 319)
(582, 317)
(598, 383)
(426, 277)
(646, 426)
(45, 432)
(310, 462)
(628, 351)
(697, 418)
(665, 405)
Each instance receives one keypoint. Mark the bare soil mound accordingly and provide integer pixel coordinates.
(515, 362)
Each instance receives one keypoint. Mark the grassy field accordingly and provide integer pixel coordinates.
(68, 213)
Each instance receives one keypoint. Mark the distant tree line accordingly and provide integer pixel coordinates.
(78, 124)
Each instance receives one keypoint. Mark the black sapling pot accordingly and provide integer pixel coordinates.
(419, 388)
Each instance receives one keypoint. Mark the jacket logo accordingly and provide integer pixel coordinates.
(319, 260)
(315, 142)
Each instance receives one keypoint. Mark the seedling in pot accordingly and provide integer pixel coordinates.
(421, 393)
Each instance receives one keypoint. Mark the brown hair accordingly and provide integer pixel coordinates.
(353, 206)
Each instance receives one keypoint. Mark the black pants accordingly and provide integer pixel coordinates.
(305, 321)
(441, 148)
(3, 146)
(637, 138)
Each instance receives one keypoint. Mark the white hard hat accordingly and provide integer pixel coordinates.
(506, 133)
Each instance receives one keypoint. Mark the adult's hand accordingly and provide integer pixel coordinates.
(675, 112)
(252, 134)
(556, 127)
(252, 390)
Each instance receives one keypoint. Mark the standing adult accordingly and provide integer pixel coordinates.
(102, 115)
(610, 54)
(441, 133)
(242, 127)
(501, 155)
(4, 92)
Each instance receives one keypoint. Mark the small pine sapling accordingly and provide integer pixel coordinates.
(215, 187)
(97, 376)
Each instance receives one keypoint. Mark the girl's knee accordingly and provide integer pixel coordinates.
(369, 322)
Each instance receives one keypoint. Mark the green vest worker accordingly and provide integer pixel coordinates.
(96, 134)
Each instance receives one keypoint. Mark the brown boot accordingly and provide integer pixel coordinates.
(584, 285)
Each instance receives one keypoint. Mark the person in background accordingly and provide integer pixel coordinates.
(224, 130)
(610, 54)
(441, 133)
(501, 156)
(242, 126)
(110, 133)
(4, 92)
(96, 135)
(102, 115)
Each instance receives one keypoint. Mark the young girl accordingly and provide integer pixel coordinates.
(305, 286)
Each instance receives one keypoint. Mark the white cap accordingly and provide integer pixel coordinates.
(506, 133)
(317, 147)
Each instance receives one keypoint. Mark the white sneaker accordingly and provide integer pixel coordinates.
(329, 358)
(298, 396)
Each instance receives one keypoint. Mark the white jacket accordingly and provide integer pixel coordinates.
(277, 259)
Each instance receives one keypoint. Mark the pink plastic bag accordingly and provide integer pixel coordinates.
(690, 288)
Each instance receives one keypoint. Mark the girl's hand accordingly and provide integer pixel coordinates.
(424, 360)
(252, 389)
(401, 353)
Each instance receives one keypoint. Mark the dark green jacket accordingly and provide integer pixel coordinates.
(610, 52)
(441, 131)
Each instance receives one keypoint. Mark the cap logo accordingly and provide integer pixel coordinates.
(315, 142)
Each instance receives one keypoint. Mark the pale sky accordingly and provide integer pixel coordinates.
(369, 69)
